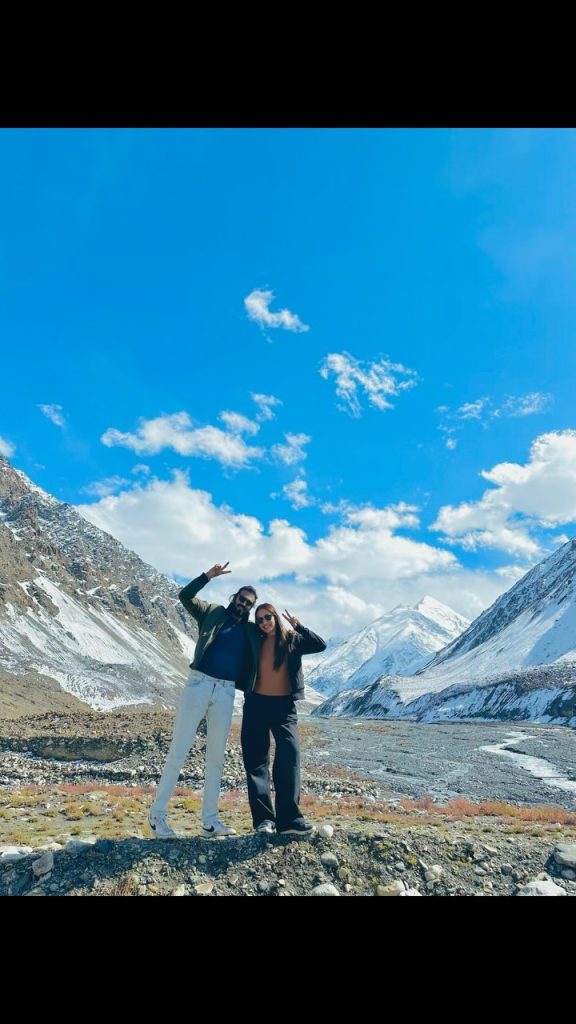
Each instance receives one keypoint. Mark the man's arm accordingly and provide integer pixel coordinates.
(188, 597)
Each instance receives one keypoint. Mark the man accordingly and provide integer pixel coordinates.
(226, 658)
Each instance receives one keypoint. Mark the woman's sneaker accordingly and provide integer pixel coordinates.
(217, 830)
(267, 827)
(299, 828)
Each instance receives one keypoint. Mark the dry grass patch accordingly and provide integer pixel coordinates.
(460, 807)
(73, 812)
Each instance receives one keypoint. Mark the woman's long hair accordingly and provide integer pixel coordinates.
(281, 636)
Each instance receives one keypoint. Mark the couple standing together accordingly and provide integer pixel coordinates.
(265, 661)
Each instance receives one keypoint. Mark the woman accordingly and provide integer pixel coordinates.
(270, 708)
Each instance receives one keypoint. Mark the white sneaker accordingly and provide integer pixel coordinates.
(217, 830)
(160, 827)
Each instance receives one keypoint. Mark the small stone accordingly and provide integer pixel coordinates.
(541, 888)
(44, 864)
(330, 860)
(565, 854)
(325, 831)
(391, 889)
(326, 889)
(204, 889)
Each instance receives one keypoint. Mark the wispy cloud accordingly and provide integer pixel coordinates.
(297, 493)
(257, 306)
(54, 414)
(141, 469)
(528, 405)
(265, 403)
(484, 410)
(101, 488)
(293, 451)
(6, 448)
(473, 410)
(176, 432)
(377, 381)
(238, 424)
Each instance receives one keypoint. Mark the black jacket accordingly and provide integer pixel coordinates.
(303, 641)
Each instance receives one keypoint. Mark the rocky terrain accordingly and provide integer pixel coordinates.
(80, 614)
(75, 790)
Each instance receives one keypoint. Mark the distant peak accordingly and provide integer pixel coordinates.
(430, 602)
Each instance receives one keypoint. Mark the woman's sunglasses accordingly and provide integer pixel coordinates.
(264, 618)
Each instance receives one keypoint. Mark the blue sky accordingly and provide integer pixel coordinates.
(341, 359)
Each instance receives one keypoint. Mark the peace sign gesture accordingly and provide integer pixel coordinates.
(290, 618)
(218, 570)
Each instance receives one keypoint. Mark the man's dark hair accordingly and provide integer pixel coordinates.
(248, 588)
(233, 597)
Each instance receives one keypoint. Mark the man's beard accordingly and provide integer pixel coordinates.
(240, 614)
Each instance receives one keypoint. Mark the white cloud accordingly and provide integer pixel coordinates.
(527, 405)
(6, 448)
(297, 493)
(293, 451)
(176, 432)
(357, 570)
(178, 528)
(539, 494)
(378, 381)
(511, 573)
(472, 410)
(238, 424)
(265, 403)
(141, 469)
(101, 488)
(485, 409)
(392, 517)
(54, 414)
(257, 306)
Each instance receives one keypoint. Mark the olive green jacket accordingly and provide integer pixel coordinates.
(210, 619)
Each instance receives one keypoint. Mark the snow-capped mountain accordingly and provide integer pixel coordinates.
(539, 693)
(398, 643)
(534, 623)
(516, 661)
(78, 607)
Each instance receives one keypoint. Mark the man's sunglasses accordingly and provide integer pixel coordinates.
(245, 601)
(264, 618)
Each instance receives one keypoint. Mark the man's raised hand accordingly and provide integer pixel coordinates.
(218, 570)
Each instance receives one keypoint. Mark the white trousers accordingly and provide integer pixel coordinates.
(202, 696)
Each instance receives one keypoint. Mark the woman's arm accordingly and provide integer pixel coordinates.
(304, 640)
